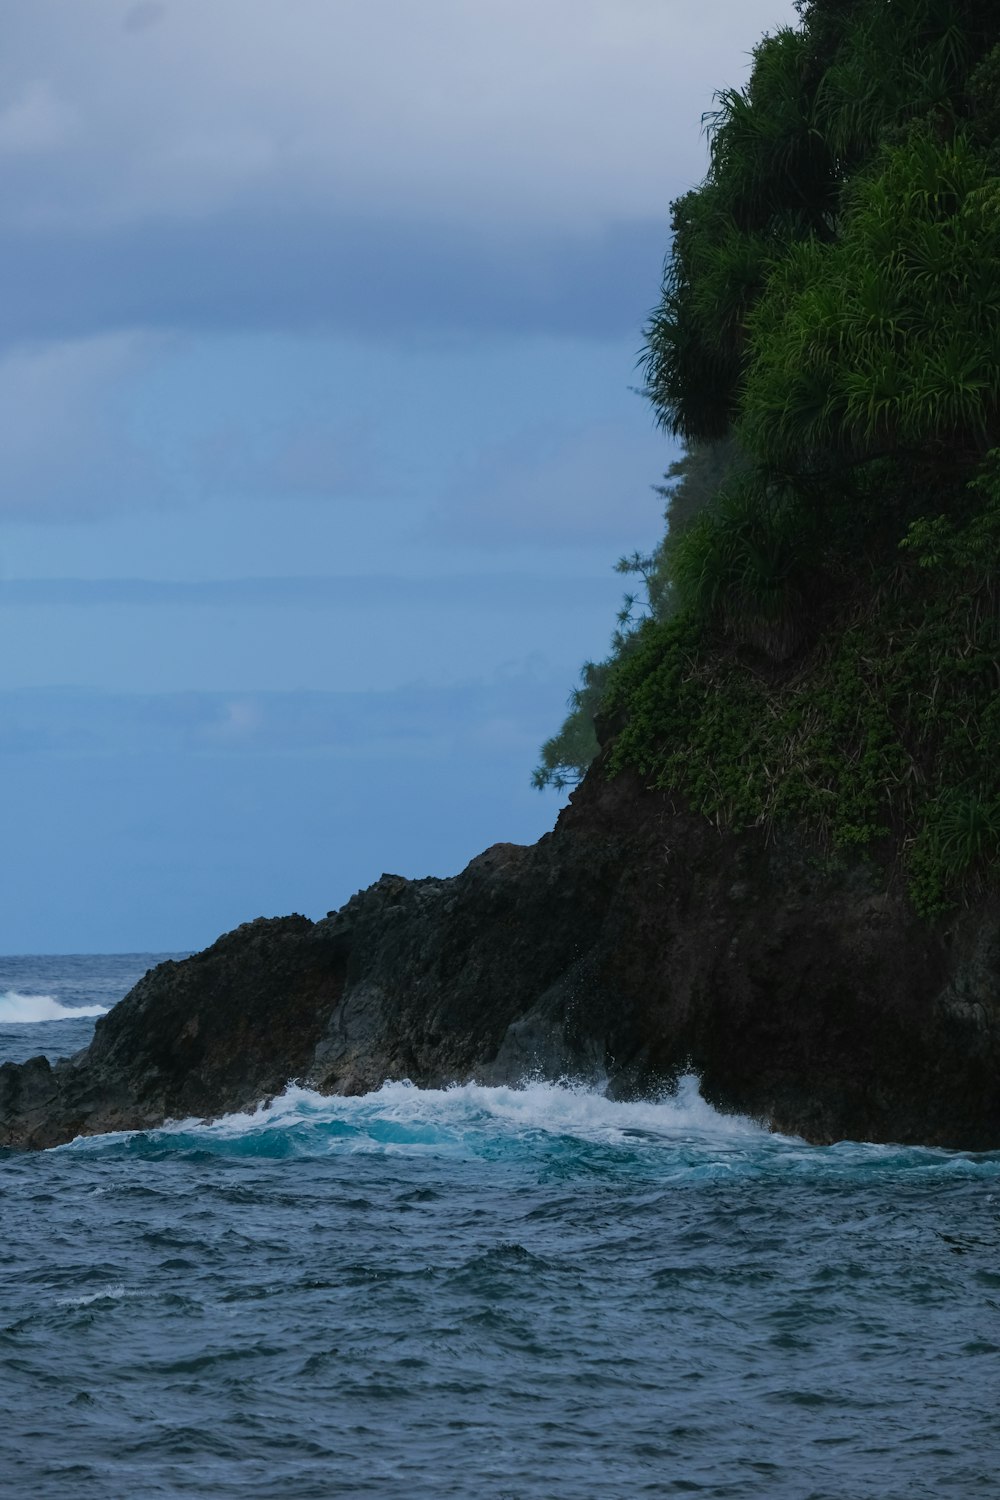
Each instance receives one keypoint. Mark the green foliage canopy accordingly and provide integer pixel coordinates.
(824, 639)
(808, 181)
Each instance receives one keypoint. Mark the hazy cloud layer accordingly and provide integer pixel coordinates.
(552, 488)
(395, 173)
(358, 591)
(370, 165)
(503, 114)
(64, 446)
(157, 821)
(264, 254)
(503, 713)
(309, 269)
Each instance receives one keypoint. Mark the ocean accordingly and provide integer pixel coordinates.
(494, 1293)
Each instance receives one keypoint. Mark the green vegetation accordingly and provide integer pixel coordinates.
(821, 645)
(690, 484)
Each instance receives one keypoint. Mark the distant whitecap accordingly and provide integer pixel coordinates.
(25, 1010)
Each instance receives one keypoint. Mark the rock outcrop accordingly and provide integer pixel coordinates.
(631, 943)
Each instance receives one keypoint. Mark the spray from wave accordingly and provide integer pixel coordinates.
(401, 1114)
(558, 1129)
(545, 1122)
(26, 1010)
(561, 1108)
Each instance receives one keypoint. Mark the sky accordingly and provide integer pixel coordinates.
(319, 434)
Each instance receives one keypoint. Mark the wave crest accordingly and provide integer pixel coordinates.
(26, 1010)
(534, 1119)
(557, 1129)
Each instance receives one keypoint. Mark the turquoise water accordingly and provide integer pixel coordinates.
(487, 1293)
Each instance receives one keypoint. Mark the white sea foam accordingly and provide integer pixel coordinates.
(115, 1293)
(25, 1010)
(678, 1136)
(400, 1115)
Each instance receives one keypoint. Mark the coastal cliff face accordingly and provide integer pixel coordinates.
(632, 943)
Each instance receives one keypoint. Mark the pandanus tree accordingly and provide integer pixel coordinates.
(825, 628)
(831, 303)
(831, 292)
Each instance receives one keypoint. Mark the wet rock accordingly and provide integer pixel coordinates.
(633, 942)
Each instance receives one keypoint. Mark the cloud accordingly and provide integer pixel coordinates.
(368, 165)
(142, 16)
(239, 721)
(557, 489)
(137, 827)
(36, 121)
(307, 270)
(357, 726)
(362, 591)
(574, 112)
(64, 448)
(312, 457)
(372, 170)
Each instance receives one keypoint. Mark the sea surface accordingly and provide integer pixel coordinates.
(527, 1293)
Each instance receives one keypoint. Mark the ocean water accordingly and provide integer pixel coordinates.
(526, 1293)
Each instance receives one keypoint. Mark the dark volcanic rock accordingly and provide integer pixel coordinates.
(630, 944)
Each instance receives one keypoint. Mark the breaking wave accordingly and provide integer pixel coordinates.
(560, 1128)
(25, 1010)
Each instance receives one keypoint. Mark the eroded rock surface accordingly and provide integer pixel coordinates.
(630, 944)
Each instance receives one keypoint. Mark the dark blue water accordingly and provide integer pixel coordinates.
(488, 1293)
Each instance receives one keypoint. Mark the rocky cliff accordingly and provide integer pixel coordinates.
(631, 943)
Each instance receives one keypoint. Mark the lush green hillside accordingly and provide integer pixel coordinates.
(823, 638)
